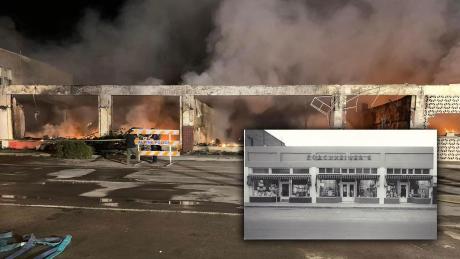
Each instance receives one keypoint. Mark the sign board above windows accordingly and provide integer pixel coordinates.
(339, 157)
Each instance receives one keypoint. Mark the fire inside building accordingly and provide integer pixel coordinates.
(275, 173)
(209, 117)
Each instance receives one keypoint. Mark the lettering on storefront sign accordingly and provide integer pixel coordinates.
(339, 157)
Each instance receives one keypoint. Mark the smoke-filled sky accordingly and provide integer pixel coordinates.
(241, 41)
(236, 42)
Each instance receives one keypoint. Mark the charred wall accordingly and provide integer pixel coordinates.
(25, 70)
(392, 115)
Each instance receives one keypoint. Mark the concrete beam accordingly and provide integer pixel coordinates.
(178, 90)
(6, 119)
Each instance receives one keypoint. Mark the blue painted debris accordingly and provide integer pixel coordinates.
(13, 246)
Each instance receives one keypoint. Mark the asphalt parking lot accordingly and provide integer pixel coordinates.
(191, 209)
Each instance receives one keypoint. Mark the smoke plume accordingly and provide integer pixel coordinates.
(161, 112)
(237, 42)
(362, 42)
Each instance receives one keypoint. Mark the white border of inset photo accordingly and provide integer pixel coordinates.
(340, 184)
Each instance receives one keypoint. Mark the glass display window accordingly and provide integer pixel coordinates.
(420, 189)
(328, 188)
(300, 188)
(265, 188)
(392, 189)
(367, 188)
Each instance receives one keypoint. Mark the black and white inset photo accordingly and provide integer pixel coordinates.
(340, 184)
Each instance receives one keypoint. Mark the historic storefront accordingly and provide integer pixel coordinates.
(380, 175)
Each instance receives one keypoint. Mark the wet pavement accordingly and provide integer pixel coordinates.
(191, 209)
(185, 185)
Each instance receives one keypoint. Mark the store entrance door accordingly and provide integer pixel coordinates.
(284, 191)
(348, 191)
(403, 192)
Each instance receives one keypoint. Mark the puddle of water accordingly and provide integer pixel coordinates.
(71, 173)
(185, 203)
(107, 187)
(108, 202)
(13, 197)
(169, 202)
(452, 234)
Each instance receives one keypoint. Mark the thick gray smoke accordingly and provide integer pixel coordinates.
(251, 42)
(362, 41)
(150, 42)
(259, 42)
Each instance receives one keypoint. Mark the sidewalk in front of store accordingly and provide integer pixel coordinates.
(341, 205)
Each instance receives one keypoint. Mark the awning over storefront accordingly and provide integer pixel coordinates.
(410, 177)
(278, 177)
(347, 176)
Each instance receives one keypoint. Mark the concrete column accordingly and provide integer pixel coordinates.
(417, 110)
(338, 113)
(381, 193)
(6, 119)
(247, 188)
(187, 122)
(313, 194)
(105, 114)
(434, 183)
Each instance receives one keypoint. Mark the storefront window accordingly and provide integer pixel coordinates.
(420, 189)
(328, 188)
(280, 171)
(301, 170)
(300, 188)
(265, 188)
(367, 188)
(260, 170)
(392, 189)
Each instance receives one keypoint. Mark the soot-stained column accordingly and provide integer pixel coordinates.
(105, 114)
(338, 112)
(418, 110)
(187, 122)
(6, 119)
